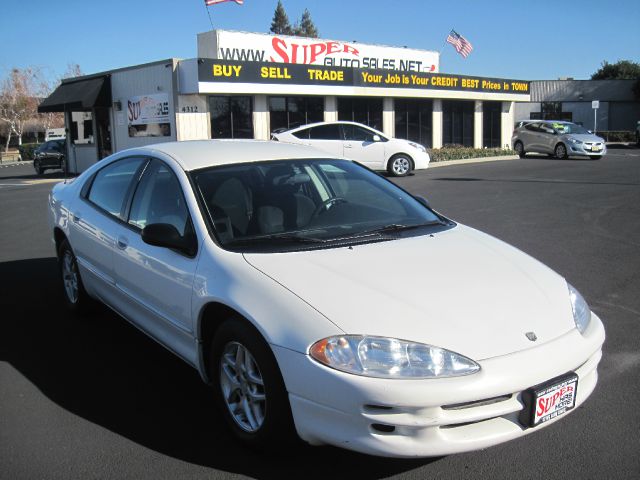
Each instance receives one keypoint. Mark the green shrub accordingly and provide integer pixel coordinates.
(460, 152)
(617, 136)
(26, 150)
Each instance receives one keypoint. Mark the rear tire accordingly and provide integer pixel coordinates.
(400, 165)
(519, 148)
(249, 388)
(560, 151)
(74, 294)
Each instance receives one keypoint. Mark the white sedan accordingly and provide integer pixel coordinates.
(322, 300)
(361, 143)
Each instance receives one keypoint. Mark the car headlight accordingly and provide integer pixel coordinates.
(575, 141)
(581, 311)
(383, 357)
(418, 146)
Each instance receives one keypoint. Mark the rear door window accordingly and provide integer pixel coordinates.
(325, 132)
(111, 185)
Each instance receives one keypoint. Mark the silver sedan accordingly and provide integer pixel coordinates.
(559, 139)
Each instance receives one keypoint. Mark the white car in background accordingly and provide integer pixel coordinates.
(319, 298)
(360, 143)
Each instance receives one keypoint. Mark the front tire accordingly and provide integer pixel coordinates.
(38, 168)
(74, 294)
(400, 165)
(560, 151)
(249, 387)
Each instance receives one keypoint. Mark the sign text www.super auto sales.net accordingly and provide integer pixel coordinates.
(335, 54)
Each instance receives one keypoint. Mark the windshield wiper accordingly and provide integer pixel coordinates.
(399, 227)
(280, 237)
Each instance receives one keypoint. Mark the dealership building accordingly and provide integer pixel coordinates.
(246, 85)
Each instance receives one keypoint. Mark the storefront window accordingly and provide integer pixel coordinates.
(491, 122)
(231, 117)
(362, 110)
(291, 112)
(414, 120)
(457, 119)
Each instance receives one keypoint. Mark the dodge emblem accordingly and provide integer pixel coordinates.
(531, 336)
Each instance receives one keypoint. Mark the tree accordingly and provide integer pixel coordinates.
(306, 28)
(280, 24)
(18, 102)
(621, 70)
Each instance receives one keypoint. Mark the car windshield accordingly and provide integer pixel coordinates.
(567, 128)
(307, 203)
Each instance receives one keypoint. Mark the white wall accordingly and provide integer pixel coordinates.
(149, 79)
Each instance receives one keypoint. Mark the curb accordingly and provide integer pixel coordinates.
(464, 161)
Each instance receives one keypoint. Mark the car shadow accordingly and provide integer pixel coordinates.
(104, 370)
(529, 156)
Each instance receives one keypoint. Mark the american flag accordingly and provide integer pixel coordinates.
(461, 44)
(213, 2)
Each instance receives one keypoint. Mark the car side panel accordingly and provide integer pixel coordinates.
(92, 238)
(371, 154)
(155, 286)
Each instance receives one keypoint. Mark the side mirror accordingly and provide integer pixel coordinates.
(376, 138)
(166, 235)
(423, 201)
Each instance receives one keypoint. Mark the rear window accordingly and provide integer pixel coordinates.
(302, 134)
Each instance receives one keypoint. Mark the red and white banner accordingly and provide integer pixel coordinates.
(213, 2)
(257, 47)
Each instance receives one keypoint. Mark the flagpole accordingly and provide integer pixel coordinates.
(444, 44)
(209, 13)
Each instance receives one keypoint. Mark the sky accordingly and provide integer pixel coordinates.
(515, 39)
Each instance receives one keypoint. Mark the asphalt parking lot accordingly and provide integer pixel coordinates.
(95, 398)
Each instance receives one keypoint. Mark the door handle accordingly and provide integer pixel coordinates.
(75, 218)
(122, 243)
(348, 145)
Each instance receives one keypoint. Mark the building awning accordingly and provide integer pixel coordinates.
(78, 95)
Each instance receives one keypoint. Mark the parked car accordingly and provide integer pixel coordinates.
(50, 155)
(319, 298)
(557, 138)
(361, 143)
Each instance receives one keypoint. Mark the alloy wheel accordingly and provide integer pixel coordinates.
(70, 276)
(401, 166)
(242, 387)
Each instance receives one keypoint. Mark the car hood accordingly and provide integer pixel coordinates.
(585, 137)
(459, 289)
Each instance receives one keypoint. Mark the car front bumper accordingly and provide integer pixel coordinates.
(421, 160)
(589, 149)
(433, 417)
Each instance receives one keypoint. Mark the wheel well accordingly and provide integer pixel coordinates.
(212, 316)
(59, 237)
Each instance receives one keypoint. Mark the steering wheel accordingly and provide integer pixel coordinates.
(326, 205)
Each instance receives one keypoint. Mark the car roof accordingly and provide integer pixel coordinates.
(337, 122)
(195, 154)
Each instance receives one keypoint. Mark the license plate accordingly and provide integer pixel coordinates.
(549, 400)
(595, 148)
